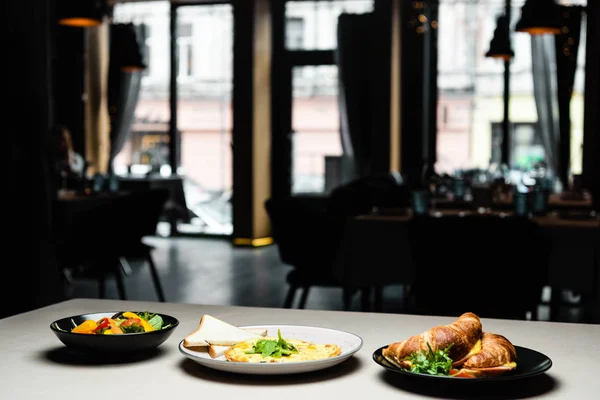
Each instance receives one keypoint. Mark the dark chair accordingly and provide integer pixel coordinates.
(368, 194)
(308, 232)
(101, 237)
(495, 267)
(307, 237)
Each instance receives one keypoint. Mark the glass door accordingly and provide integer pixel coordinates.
(201, 183)
(204, 115)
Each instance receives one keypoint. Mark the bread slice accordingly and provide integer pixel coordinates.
(214, 331)
(216, 351)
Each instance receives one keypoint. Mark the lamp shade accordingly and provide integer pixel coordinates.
(125, 48)
(81, 13)
(500, 45)
(539, 17)
(132, 57)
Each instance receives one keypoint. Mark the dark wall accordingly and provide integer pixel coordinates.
(30, 278)
(69, 82)
(380, 85)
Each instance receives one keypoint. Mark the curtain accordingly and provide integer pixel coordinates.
(567, 48)
(546, 97)
(123, 90)
(554, 63)
(352, 58)
(591, 128)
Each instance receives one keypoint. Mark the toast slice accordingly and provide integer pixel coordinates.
(216, 351)
(216, 332)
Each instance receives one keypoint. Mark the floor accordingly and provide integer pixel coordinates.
(212, 271)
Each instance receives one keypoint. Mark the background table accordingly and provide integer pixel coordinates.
(375, 251)
(176, 208)
(36, 365)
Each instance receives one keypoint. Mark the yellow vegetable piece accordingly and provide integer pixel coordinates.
(114, 328)
(109, 332)
(147, 327)
(85, 327)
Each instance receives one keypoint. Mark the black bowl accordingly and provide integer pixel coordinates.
(116, 344)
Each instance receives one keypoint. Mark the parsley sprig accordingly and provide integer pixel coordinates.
(274, 348)
(431, 362)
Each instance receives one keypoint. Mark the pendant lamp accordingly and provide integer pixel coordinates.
(132, 58)
(81, 13)
(539, 17)
(500, 45)
(126, 48)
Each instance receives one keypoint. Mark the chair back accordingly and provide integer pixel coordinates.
(118, 220)
(493, 266)
(137, 214)
(362, 195)
(306, 235)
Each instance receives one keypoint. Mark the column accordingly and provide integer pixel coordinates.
(251, 122)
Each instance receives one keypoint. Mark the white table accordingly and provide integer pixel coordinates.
(36, 365)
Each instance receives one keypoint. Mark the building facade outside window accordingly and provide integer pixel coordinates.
(470, 94)
(205, 79)
(470, 102)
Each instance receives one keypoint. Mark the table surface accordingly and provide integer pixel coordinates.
(566, 199)
(549, 220)
(35, 364)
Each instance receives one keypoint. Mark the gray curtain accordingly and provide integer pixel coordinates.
(352, 58)
(127, 98)
(546, 96)
(123, 88)
(591, 138)
(554, 63)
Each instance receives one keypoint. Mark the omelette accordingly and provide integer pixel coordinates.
(250, 351)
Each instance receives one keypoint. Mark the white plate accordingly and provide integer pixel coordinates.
(349, 343)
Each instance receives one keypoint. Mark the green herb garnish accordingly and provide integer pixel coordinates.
(146, 315)
(156, 322)
(431, 362)
(274, 348)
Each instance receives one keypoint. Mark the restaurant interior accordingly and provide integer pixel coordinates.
(386, 156)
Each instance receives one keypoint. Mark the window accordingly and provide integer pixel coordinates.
(295, 33)
(185, 51)
(147, 143)
(204, 112)
(526, 147)
(470, 89)
(146, 40)
(205, 116)
(316, 125)
(316, 22)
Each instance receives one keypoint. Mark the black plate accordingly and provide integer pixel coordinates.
(530, 363)
(127, 343)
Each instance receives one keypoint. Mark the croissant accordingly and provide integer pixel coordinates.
(464, 335)
(497, 356)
